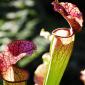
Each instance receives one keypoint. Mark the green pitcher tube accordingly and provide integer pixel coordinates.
(60, 50)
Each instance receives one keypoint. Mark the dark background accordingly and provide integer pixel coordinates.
(27, 21)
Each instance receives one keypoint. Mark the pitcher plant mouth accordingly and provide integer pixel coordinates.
(15, 75)
(13, 52)
(15, 81)
(63, 32)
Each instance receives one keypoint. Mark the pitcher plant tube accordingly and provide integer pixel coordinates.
(62, 40)
(14, 51)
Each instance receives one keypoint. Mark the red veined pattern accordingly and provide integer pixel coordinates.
(14, 52)
(21, 46)
(71, 13)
